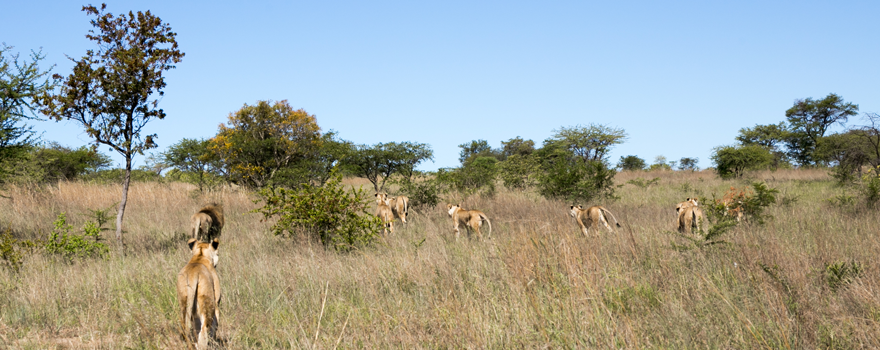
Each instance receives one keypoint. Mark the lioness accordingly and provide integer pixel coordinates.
(472, 219)
(399, 205)
(198, 293)
(687, 203)
(383, 211)
(689, 218)
(207, 223)
(591, 217)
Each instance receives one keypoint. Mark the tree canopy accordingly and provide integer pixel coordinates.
(114, 90)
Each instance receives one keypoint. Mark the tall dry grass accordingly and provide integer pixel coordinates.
(535, 283)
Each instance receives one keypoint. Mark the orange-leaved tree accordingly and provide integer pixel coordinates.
(268, 143)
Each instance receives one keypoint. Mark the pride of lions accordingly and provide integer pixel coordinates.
(198, 284)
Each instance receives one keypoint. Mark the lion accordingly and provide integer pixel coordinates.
(399, 205)
(687, 203)
(198, 293)
(207, 223)
(471, 219)
(384, 212)
(689, 218)
(591, 217)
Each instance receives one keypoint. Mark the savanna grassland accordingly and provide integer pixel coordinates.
(536, 283)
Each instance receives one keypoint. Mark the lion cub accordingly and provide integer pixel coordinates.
(591, 217)
(207, 223)
(471, 219)
(198, 293)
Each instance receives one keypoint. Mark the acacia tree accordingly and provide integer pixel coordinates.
(589, 143)
(114, 90)
(810, 119)
(378, 162)
(21, 83)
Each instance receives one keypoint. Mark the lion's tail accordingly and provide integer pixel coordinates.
(486, 219)
(606, 211)
(191, 290)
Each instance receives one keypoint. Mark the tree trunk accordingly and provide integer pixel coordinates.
(121, 211)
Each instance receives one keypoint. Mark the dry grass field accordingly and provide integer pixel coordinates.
(536, 283)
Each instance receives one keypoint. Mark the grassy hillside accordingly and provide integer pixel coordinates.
(537, 282)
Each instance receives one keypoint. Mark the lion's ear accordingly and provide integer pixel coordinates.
(580, 207)
(215, 243)
(191, 242)
(572, 207)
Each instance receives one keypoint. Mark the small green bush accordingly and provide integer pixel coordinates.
(841, 273)
(329, 214)
(10, 251)
(645, 184)
(422, 194)
(519, 172)
(577, 181)
(72, 246)
(871, 187)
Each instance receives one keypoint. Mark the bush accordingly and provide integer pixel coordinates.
(751, 202)
(328, 214)
(871, 187)
(577, 181)
(733, 161)
(631, 163)
(519, 172)
(71, 246)
(10, 252)
(475, 176)
(421, 194)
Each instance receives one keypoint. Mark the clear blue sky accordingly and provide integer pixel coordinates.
(680, 77)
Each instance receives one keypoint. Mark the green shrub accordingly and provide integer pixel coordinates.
(519, 172)
(733, 161)
(751, 202)
(422, 194)
(329, 214)
(871, 187)
(11, 255)
(841, 273)
(72, 246)
(645, 184)
(476, 176)
(577, 181)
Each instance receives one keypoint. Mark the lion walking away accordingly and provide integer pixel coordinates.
(207, 223)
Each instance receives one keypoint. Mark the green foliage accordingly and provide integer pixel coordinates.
(733, 161)
(659, 164)
(423, 192)
(517, 146)
(721, 212)
(643, 183)
(810, 119)
(378, 162)
(194, 162)
(329, 214)
(687, 163)
(577, 182)
(71, 246)
(475, 176)
(53, 162)
(631, 163)
(476, 149)
(871, 187)
(11, 255)
(21, 84)
(840, 273)
(590, 143)
(848, 152)
(117, 175)
(567, 171)
(268, 143)
(519, 172)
